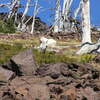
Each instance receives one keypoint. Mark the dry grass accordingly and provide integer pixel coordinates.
(9, 47)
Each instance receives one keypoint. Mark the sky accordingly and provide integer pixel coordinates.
(47, 11)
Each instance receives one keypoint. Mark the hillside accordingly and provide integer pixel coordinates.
(27, 73)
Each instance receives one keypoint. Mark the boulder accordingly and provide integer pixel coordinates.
(22, 63)
(25, 62)
(5, 75)
(52, 70)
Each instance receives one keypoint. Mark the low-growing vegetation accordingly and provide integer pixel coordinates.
(10, 48)
(7, 51)
(7, 27)
(51, 57)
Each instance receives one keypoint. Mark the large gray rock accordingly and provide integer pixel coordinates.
(5, 75)
(23, 63)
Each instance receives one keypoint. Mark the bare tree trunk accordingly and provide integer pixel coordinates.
(26, 10)
(65, 13)
(16, 14)
(34, 16)
(13, 7)
(57, 16)
(86, 27)
(22, 27)
(78, 10)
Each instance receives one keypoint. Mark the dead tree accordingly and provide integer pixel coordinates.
(57, 16)
(65, 14)
(78, 10)
(13, 8)
(86, 27)
(22, 25)
(62, 22)
(36, 10)
(89, 48)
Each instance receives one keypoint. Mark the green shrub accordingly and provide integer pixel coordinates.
(7, 27)
(2, 26)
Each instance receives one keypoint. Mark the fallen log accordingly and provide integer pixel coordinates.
(89, 48)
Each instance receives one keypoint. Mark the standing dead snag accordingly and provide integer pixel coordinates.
(13, 8)
(26, 10)
(36, 9)
(22, 25)
(78, 9)
(86, 27)
(62, 22)
(65, 14)
(57, 16)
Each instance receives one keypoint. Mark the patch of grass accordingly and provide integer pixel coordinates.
(26, 43)
(67, 42)
(50, 57)
(10, 47)
(7, 51)
(86, 58)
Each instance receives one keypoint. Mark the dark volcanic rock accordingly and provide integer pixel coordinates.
(52, 70)
(97, 59)
(74, 70)
(58, 81)
(26, 88)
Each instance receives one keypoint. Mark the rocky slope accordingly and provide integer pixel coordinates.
(22, 79)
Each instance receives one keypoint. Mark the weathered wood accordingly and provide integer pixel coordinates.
(89, 48)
